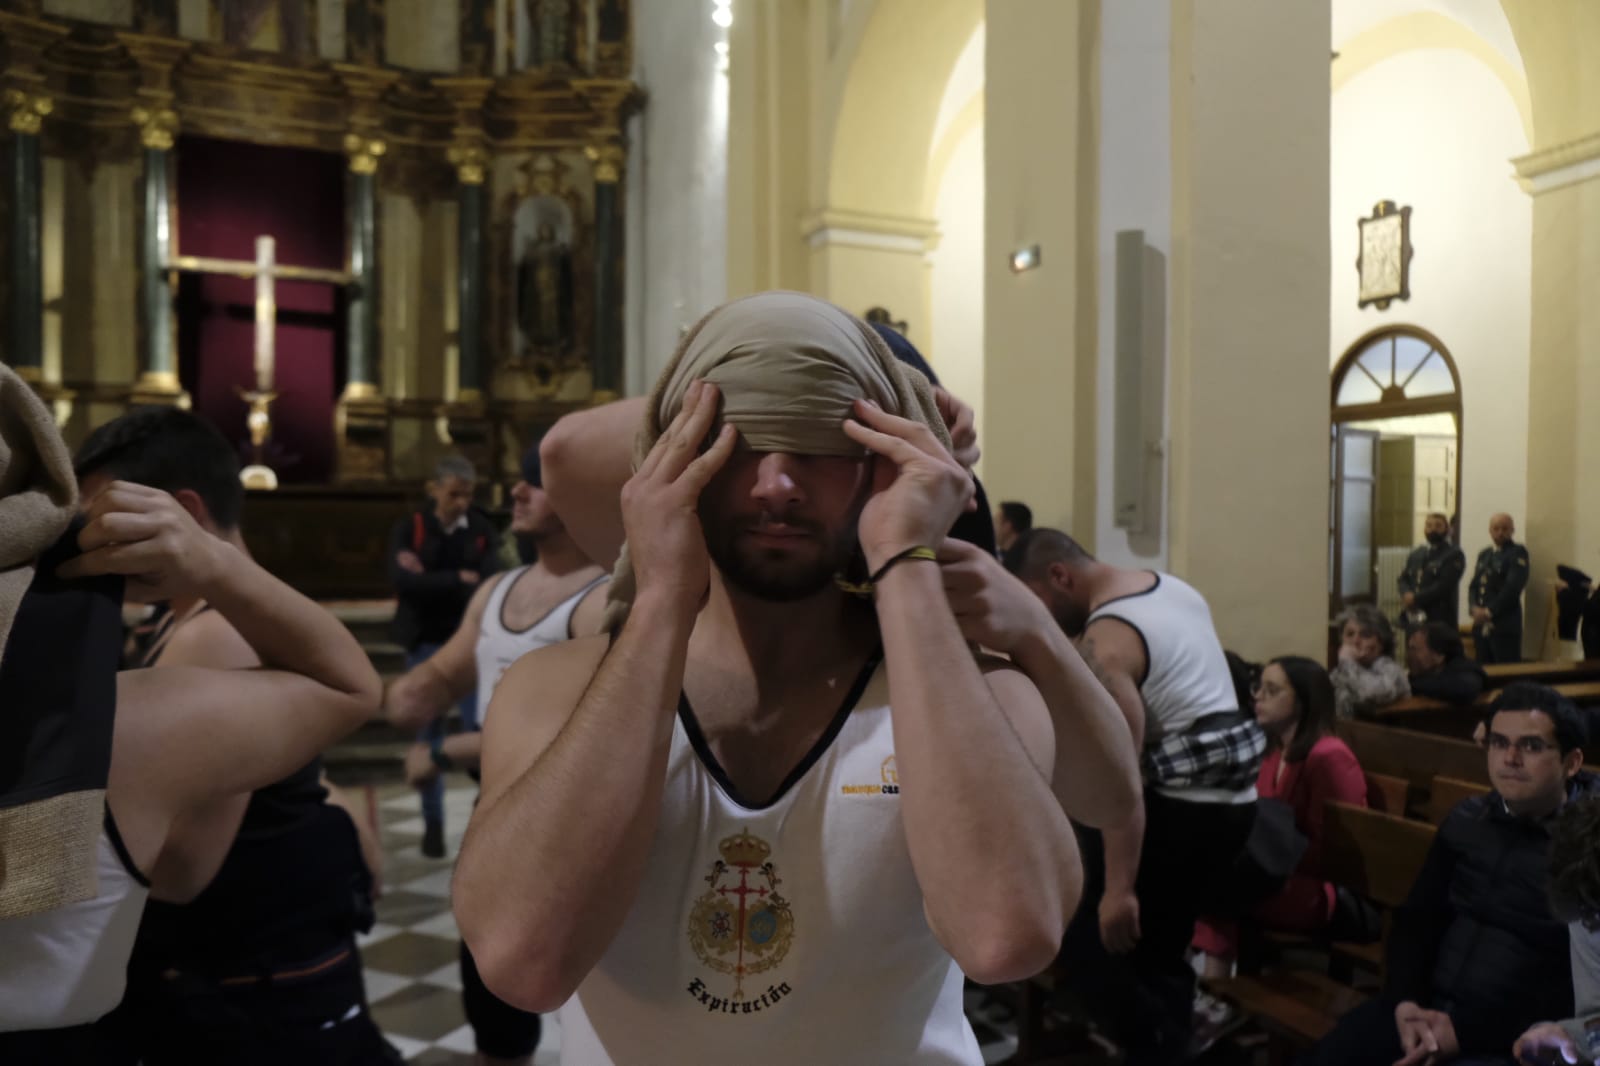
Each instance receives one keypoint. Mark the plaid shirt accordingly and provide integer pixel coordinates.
(1221, 751)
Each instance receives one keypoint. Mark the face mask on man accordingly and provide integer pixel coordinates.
(1436, 538)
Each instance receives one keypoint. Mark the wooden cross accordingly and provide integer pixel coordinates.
(267, 272)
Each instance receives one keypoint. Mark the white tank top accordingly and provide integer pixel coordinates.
(68, 966)
(1186, 676)
(788, 935)
(499, 647)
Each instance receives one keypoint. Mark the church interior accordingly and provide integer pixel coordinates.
(1241, 291)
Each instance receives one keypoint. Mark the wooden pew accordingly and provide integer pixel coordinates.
(1545, 673)
(1415, 756)
(1375, 854)
(1388, 793)
(1446, 792)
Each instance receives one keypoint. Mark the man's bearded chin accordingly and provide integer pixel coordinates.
(778, 577)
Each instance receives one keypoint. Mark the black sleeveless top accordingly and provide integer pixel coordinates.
(293, 884)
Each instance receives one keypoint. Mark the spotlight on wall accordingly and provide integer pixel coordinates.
(722, 13)
(1025, 259)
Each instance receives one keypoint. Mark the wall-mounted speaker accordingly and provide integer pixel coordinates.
(1139, 411)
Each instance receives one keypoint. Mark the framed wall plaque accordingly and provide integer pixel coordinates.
(1384, 263)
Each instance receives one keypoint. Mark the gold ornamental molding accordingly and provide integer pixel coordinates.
(25, 111)
(470, 160)
(608, 157)
(364, 152)
(1559, 165)
(158, 126)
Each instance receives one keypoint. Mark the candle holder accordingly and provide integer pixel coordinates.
(258, 475)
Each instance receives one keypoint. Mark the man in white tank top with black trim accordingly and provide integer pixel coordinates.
(766, 821)
(557, 598)
(1150, 638)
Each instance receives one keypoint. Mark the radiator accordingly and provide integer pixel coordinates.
(1391, 562)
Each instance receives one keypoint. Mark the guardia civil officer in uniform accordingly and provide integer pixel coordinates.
(1430, 585)
(1497, 585)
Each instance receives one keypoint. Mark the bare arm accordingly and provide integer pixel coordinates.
(537, 902)
(236, 729)
(1116, 654)
(445, 678)
(992, 849)
(587, 457)
(1096, 769)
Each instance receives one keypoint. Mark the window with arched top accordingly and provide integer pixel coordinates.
(1395, 457)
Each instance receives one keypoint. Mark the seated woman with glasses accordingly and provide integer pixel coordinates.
(1305, 767)
(1366, 676)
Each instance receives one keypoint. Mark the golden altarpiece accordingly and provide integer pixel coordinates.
(356, 234)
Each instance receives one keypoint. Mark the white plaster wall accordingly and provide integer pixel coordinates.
(677, 183)
(956, 347)
(1135, 193)
(1434, 129)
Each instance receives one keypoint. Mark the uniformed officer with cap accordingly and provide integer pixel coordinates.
(1430, 585)
(1497, 585)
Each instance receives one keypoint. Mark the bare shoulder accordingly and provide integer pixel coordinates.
(1112, 644)
(590, 613)
(209, 640)
(531, 706)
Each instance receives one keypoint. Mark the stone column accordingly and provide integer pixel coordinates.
(158, 364)
(471, 428)
(606, 358)
(25, 115)
(362, 416)
(1248, 315)
(364, 153)
(1563, 520)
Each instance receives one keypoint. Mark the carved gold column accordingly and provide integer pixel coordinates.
(25, 112)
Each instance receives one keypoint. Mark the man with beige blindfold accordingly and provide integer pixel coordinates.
(783, 807)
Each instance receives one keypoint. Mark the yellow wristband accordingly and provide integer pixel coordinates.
(920, 551)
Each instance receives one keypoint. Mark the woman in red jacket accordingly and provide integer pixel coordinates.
(1305, 767)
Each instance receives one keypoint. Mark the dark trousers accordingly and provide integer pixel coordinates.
(500, 1030)
(1499, 645)
(1143, 1000)
(319, 1018)
(1368, 1036)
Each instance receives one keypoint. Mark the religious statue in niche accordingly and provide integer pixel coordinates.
(549, 32)
(542, 242)
(1384, 262)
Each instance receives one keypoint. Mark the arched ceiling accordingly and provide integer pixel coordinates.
(889, 106)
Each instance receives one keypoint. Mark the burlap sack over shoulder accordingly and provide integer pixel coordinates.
(46, 847)
(788, 366)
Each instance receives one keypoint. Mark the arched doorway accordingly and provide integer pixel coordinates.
(1395, 457)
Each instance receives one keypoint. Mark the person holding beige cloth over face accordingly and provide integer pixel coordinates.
(806, 806)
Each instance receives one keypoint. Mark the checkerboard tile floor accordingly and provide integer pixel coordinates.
(413, 980)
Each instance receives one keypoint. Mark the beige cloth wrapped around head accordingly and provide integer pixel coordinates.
(38, 492)
(788, 366)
